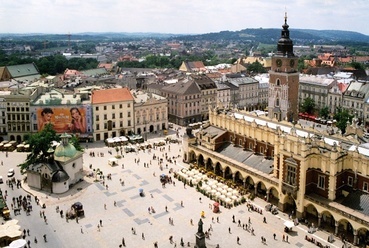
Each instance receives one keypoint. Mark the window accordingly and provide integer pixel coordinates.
(113, 116)
(350, 181)
(97, 108)
(105, 116)
(129, 123)
(97, 126)
(291, 174)
(120, 106)
(104, 107)
(113, 107)
(365, 186)
(74, 165)
(120, 115)
(97, 118)
(128, 105)
(129, 114)
(321, 182)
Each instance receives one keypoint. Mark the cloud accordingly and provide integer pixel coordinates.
(168, 16)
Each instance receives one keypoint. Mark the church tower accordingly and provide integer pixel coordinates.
(284, 80)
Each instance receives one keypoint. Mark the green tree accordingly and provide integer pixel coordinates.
(324, 112)
(342, 117)
(256, 67)
(39, 145)
(307, 106)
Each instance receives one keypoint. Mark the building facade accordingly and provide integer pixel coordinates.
(113, 113)
(284, 80)
(151, 112)
(322, 180)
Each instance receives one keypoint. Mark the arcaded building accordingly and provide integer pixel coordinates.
(320, 176)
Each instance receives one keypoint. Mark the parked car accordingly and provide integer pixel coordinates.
(11, 172)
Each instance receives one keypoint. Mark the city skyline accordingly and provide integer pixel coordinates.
(179, 17)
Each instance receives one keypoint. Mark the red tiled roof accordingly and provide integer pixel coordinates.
(111, 95)
(342, 87)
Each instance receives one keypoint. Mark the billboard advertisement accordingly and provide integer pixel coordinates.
(69, 120)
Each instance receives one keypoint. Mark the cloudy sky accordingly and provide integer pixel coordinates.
(179, 16)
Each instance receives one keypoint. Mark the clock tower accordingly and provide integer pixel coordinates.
(284, 80)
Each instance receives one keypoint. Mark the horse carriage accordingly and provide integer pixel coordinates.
(76, 210)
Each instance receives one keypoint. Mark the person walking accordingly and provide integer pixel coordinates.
(81, 230)
(238, 240)
(229, 229)
(274, 235)
(123, 242)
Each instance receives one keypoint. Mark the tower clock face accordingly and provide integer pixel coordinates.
(292, 62)
(279, 62)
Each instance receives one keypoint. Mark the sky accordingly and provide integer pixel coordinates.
(179, 16)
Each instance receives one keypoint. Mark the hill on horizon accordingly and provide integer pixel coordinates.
(264, 35)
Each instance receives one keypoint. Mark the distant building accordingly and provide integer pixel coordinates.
(195, 66)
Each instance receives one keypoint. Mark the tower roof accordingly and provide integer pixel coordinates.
(285, 44)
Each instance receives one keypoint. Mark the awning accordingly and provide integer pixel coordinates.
(289, 224)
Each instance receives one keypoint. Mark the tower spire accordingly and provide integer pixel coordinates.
(285, 44)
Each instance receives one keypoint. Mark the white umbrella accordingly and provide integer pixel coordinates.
(224, 191)
(207, 188)
(224, 186)
(220, 184)
(204, 177)
(19, 243)
(209, 183)
(229, 189)
(218, 194)
(235, 191)
(222, 197)
(213, 191)
(228, 200)
(234, 197)
(229, 194)
(214, 186)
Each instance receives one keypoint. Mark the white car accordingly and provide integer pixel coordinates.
(11, 172)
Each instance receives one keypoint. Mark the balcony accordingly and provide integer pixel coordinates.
(289, 189)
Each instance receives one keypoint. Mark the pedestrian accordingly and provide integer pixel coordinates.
(217, 219)
(98, 227)
(191, 222)
(115, 203)
(239, 222)
(238, 240)
(104, 206)
(123, 242)
(200, 199)
(229, 229)
(262, 239)
(212, 219)
(274, 235)
(101, 223)
(28, 232)
(143, 236)
(181, 203)
(166, 209)
(81, 230)
(283, 238)
(264, 220)
(287, 238)
(35, 240)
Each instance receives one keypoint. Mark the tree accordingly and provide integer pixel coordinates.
(256, 67)
(342, 117)
(324, 112)
(39, 145)
(308, 106)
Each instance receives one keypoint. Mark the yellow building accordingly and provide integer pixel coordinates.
(306, 173)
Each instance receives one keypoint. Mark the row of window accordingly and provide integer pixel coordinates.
(109, 125)
(350, 182)
(112, 107)
(97, 117)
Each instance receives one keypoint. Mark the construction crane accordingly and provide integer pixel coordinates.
(45, 43)
(68, 35)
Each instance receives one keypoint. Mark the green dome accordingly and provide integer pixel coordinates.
(65, 149)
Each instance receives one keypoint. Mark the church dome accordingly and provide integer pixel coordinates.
(65, 149)
(59, 177)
